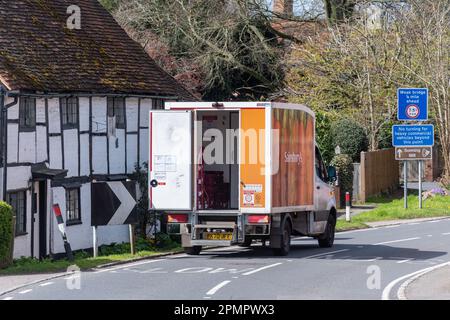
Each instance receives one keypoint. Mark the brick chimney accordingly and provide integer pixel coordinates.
(285, 7)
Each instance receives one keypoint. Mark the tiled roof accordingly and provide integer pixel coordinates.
(39, 53)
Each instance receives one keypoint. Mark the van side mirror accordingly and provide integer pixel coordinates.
(332, 176)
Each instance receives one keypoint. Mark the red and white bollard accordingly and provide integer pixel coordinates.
(348, 216)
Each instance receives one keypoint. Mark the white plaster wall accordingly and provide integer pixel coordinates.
(54, 120)
(71, 152)
(13, 112)
(13, 141)
(40, 111)
(84, 114)
(99, 155)
(146, 106)
(98, 115)
(18, 177)
(27, 147)
(144, 145)
(41, 143)
(84, 155)
(132, 105)
(55, 153)
(131, 152)
(117, 152)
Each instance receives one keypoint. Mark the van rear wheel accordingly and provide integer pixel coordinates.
(193, 251)
(285, 241)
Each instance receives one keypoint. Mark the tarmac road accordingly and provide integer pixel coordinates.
(363, 264)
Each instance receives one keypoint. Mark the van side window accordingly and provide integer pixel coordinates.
(320, 167)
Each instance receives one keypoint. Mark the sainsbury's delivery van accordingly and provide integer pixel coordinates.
(235, 173)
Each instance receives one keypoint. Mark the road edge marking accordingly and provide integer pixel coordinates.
(401, 292)
(124, 266)
(387, 290)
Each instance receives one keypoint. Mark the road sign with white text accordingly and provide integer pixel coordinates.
(413, 135)
(413, 153)
(412, 104)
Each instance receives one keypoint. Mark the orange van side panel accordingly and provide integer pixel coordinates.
(252, 139)
(293, 182)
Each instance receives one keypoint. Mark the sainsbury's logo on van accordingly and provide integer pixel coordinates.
(292, 157)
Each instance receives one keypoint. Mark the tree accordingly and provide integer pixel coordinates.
(339, 10)
(231, 41)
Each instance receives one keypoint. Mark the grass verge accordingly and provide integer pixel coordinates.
(392, 209)
(82, 260)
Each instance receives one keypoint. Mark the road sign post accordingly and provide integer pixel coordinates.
(405, 183)
(420, 184)
(412, 141)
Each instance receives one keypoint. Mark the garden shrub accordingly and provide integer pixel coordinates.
(6, 236)
(350, 136)
(344, 168)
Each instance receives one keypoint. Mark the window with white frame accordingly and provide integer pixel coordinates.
(69, 112)
(18, 201)
(73, 214)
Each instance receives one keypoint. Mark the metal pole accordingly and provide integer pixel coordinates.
(348, 216)
(94, 238)
(420, 184)
(132, 248)
(405, 182)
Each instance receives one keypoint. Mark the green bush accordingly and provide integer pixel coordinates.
(350, 137)
(344, 167)
(323, 135)
(6, 236)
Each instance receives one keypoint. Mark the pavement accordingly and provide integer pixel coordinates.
(430, 285)
(368, 264)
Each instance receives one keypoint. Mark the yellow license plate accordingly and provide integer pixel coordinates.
(219, 236)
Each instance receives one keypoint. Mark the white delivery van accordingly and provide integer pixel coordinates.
(233, 173)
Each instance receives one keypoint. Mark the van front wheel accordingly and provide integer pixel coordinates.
(326, 240)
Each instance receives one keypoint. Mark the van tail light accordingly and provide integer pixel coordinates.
(258, 218)
(177, 218)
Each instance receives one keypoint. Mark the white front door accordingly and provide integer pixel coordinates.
(170, 161)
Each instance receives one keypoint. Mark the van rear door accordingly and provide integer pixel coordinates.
(170, 160)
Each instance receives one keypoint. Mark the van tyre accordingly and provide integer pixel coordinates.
(285, 241)
(327, 239)
(193, 251)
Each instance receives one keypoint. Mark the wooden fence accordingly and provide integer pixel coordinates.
(378, 173)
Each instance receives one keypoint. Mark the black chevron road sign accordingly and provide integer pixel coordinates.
(113, 203)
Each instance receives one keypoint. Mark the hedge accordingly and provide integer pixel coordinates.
(6, 236)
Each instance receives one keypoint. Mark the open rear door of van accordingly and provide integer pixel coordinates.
(170, 160)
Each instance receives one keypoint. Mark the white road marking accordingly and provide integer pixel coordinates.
(446, 234)
(262, 268)
(235, 277)
(413, 223)
(25, 291)
(403, 261)
(429, 236)
(395, 241)
(218, 287)
(127, 266)
(325, 254)
(206, 297)
(46, 284)
(387, 290)
(7, 298)
(401, 292)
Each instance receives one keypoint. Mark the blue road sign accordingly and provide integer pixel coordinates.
(413, 135)
(412, 104)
